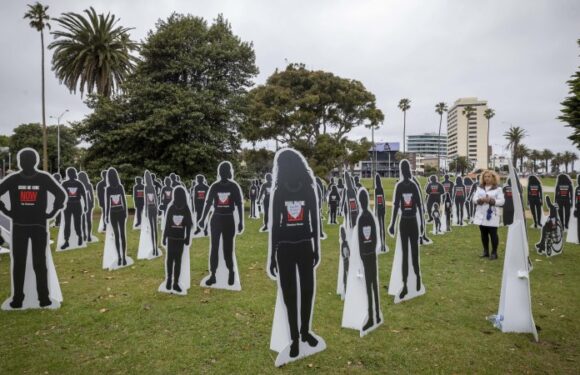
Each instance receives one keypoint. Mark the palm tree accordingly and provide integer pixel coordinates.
(522, 152)
(573, 158)
(535, 155)
(514, 136)
(557, 161)
(39, 20)
(404, 105)
(488, 114)
(468, 111)
(92, 52)
(567, 159)
(547, 155)
(440, 108)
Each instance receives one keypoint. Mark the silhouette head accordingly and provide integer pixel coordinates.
(292, 172)
(378, 182)
(363, 198)
(84, 178)
(342, 233)
(112, 177)
(458, 181)
(446, 177)
(199, 179)
(139, 180)
(148, 178)
(172, 176)
(27, 160)
(179, 196)
(167, 181)
(356, 180)
(435, 207)
(405, 169)
(71, 173)
(334, 189)
(340, 182)
(269, 177)
(534, 180)
(57, 176)
(177, 178)
(563, 180)
(509, 181)
(433, 178)
(225, 170)
(104, 174)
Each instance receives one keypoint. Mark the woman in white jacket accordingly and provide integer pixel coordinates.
(488, 198)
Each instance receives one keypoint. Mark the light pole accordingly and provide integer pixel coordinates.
(58, 139)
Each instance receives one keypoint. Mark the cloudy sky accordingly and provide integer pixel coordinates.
(517, 55)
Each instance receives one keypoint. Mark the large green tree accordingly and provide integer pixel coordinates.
(92, 52)
(181, 109)
(31, 135)
(571, 107)
(39, 20)
(314, 112)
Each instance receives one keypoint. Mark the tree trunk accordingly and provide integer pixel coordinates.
(404, 130)
(487, 149)
(44, 140)
(439, 144)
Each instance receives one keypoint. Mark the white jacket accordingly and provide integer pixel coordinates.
(480, 216)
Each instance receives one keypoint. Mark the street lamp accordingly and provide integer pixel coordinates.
(58, 139)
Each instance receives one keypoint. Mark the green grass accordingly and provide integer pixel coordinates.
(117, 322)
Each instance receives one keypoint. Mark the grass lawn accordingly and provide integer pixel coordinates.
(117, 322)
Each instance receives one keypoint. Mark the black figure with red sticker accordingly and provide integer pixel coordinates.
(150, 195)
(88, 215)
(459, 199)
(407, 200)
(176, 235)
(380, 210)
(116, 214)
(447, 184)
(535, 199)
(367, 241)
(77, 199)
(508, 206)
(28, 193)
(434, 191)
(199, 193)
(350, 203)
(224, 196)
(166, 195)
(563, 196)
(468, 183)
(138, 199)
(294, 242)
(253, 194)
(264, 196)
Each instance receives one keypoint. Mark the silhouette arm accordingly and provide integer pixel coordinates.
(59, 195)
(5, 186)
(238, 200)
(275, 234)
(208, 201)
(396, 205)
(107, 205)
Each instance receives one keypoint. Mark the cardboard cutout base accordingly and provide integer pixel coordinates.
(73, 238)
(184, 277)
(572, 234)
(30, 294)
(110, 258)
(145, 250)
(396, 281)
(280, 338)
(101, 227)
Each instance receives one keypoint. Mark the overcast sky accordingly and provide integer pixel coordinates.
(517, 55)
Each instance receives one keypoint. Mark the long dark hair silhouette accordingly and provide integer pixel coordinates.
(116, 206)
(459, 199)
(563, 196)
(535, 199)
(138, 199)
(294, 241)
(151, 209)
(199, 194)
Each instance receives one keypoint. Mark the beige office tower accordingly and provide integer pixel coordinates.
(457, 136)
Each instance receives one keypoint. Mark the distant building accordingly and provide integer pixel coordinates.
(386, 163)
(428, 144)
(465, 139)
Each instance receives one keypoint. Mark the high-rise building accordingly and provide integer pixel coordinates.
(465, 139)
(427, 144)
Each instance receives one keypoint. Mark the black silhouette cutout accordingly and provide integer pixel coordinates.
(552, 239)
(138, 200)
(447, 184)
(508, 206)
(434, 191)
(151, 209)
(333, 202)
(345, 254)
(459, 199)
(88, 215)
(367, 240)
(468, 183)
(535, 199)
(253, 196)
(563, 197)
(448, 207)
(350, 203)
(436, 215)
(340, 186)
(116, 214)
(407, 199)
(469, 202)
(28, 193)
(380, 210)
(166, 195)
(101, 187)
(224, 196)
(176, 235)
(77, 199)
(199, 194)
(264, 196)
(294, 242)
